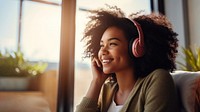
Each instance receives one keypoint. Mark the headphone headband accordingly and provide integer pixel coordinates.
(140, 32)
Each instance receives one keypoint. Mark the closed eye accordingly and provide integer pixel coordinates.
(113, 44)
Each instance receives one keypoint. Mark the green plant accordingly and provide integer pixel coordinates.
(192, 60)
(13, 64)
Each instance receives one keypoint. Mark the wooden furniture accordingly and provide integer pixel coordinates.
(43, 98)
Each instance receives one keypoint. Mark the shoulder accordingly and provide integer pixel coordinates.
(160, 89)
(159, 74)
(159, 78)
(160, 71)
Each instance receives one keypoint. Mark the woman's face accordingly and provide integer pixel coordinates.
(113, 53)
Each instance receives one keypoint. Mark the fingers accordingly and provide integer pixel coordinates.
(96, 62)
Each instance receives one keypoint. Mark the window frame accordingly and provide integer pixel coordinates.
(65, 99)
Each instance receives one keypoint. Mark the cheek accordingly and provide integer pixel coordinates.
(123, 52)
(124, 57)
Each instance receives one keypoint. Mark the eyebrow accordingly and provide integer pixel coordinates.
(114, 38)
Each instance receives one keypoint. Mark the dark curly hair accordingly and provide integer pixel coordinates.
(159, 39)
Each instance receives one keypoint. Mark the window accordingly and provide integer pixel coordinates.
(9, 14)
(40, 34)
(35, 26)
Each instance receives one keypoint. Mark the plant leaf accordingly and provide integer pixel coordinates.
(198, 58)
(192, 60)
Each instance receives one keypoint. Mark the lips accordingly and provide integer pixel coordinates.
(106, 61)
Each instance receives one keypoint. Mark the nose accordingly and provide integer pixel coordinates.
(103, 50)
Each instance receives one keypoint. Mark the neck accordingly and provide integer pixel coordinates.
(126, 80)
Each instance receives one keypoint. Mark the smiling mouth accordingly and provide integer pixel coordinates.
(106, 61)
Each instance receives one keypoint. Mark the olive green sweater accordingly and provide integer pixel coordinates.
(153, 93)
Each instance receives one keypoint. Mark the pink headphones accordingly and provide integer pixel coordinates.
(137, 45)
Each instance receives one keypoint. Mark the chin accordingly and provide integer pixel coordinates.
(107, 71)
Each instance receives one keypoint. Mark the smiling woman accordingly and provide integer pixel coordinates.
(138, 52)
(82, 67)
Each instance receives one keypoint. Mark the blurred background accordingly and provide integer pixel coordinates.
(33, 27)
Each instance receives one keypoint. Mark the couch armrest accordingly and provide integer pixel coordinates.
(187, 84)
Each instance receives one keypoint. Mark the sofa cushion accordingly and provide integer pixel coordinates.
(188, 88)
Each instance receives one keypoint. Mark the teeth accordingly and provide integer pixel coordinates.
(105, 61)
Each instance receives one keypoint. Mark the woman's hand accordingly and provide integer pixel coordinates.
(97, 71)
(98, 79)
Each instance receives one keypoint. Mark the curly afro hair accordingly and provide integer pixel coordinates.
(160, 42)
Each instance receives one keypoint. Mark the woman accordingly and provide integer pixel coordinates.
(131, 61)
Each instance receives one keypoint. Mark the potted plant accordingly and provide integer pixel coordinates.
(16, 72)
(192, 60)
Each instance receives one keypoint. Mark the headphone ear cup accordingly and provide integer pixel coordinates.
(137, 45)
(137, 50)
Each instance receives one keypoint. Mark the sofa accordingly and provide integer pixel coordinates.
(188, 89)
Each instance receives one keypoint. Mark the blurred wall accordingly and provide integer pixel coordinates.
(184, 16)
(194, 22)
(176, 11)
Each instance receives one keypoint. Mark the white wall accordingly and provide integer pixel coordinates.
(174, 10)
(189, 33)
(184, 15)
(194, 22)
